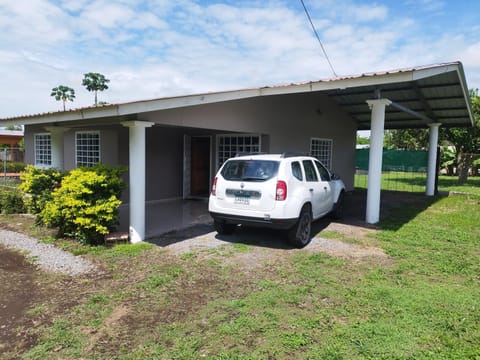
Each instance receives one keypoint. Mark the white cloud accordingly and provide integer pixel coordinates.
(107, 14)
(366, 13)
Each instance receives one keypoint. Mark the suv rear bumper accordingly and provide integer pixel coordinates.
(282, 224)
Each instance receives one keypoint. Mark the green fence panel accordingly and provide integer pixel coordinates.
(396, 160)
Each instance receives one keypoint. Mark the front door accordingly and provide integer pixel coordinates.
(200, 166)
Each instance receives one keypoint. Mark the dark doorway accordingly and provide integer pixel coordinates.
(200, 166)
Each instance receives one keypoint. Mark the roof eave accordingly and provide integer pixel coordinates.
(143, 106)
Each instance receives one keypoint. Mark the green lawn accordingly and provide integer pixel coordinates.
(416, 182)
(422, 302)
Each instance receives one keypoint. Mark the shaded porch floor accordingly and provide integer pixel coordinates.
(170, 215)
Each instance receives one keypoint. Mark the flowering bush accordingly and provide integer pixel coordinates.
(83, 203)
(39, 184)
(85, 206)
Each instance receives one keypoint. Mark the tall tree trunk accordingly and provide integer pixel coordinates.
(464, 162)
(95, 97)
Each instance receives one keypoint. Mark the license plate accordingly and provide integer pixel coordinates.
(241, 200)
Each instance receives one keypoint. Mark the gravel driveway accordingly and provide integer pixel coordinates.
(46, 256)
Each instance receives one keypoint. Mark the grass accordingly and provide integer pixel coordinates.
(421, 304)
(416, 182)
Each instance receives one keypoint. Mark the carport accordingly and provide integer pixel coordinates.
(421, 97)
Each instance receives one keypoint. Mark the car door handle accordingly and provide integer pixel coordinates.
(311, 190)
(325, 188)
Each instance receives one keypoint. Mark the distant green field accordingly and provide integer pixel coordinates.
(415, 182)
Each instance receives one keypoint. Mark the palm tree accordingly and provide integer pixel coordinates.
(63, 93)
(95, 82)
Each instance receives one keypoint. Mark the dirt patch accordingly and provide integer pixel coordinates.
(344, 250)
(106, 330)
(17, 292)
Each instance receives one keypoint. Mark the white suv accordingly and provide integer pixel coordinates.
(285, 191)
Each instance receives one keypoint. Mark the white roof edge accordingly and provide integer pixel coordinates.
(18, 133)
(463, 82)
(134, 107)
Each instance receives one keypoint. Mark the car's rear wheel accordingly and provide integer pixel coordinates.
(300, 235)
(223, 228)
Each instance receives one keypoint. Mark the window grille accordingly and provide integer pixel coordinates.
(322, 150)
(230, 145)
(43, 150)
(87, 148)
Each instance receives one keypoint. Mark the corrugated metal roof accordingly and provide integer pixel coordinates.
(441, 97)
(435, 93)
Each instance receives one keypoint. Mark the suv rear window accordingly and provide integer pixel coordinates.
(250, 170)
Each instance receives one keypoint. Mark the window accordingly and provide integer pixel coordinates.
(324, 174)
(87, 148)
(297, 171)
(322, 150)
(43, 150)
(250, 170)
(230, 145)
(310, 173)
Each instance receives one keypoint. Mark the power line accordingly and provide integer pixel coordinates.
(318, 38)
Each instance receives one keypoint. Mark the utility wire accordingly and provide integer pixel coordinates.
(318, 38)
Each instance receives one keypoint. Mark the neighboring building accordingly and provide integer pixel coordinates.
(10, 140)
(173, 146)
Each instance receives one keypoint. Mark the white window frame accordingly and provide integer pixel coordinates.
(230, 152)
(42, 160)
(322, 149)
(88, 162)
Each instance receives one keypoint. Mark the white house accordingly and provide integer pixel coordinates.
(173, 146)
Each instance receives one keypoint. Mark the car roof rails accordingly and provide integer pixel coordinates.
(292, 154)
(249, 153)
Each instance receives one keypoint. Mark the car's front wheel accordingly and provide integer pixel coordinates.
(223, 228)
(300, 235)
(337, 212)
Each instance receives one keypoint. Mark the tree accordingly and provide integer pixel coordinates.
(13, 127)
(465, 140)
(362, 140)
(406, 139)
(95, 82)
(63, 93)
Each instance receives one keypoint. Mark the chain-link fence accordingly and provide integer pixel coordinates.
(407, 170)
(401, 170)
(12, 161)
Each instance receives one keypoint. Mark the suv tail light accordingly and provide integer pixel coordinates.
(214, 187)
(281, 191)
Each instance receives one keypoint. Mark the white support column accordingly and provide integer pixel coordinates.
(57, 147)
(375, 159)
(137, 178)
(432, 159)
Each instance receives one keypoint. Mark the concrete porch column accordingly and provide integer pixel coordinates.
(375, 159)
(432, 159)
(57, 145)
(136, 172)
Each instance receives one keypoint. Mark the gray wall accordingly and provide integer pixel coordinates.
(109, 144)
(288, 120)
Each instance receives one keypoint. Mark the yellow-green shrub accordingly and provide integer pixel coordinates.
(11, 201)
(39, 184)
(85, 206)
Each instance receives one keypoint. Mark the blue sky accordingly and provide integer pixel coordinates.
(157, 48)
